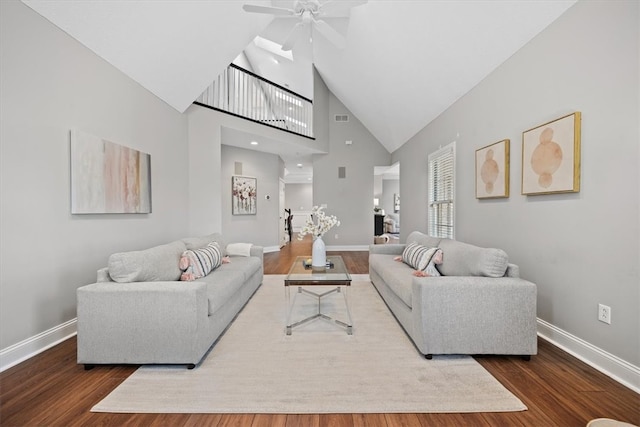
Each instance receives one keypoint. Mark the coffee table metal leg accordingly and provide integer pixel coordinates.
(290, 305)
(346, 303)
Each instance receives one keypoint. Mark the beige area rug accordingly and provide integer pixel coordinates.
(256, 368)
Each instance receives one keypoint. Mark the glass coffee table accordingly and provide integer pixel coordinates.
(305, 277)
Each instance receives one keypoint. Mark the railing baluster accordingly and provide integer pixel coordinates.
(245, 94)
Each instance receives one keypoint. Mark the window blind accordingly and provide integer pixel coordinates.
(442, 192)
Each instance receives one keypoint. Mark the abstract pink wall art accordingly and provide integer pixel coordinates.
(107, 177)
(492, 170)
(551, 157)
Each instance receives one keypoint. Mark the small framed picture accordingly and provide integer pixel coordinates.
(244, 192)
(551, 157)
(492, 170)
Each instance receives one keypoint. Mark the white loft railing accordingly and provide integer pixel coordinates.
(244, 94)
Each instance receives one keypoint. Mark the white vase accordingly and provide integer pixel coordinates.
(318, 253)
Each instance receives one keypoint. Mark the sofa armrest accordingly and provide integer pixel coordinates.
(472, 314)
(257, 251)
(389, 249)
(140, 322)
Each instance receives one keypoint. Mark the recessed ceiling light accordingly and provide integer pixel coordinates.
(254, 142)
(299, 165)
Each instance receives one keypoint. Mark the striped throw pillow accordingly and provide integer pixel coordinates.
(204, 260)
(418, 256)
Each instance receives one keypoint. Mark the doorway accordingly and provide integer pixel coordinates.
(386, 200)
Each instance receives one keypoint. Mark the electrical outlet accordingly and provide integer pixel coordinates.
(604, 313)
(336, 236)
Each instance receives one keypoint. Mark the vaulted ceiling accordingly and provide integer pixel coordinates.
(405, 62)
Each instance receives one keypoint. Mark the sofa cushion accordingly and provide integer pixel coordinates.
(423, 239)
(418, 256)
(202, 241)
(222, 284)
(246, 265)
(396, 275)
(201, 261)
(463, 259)
(159, 263)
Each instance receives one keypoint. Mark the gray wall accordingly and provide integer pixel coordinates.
(580, 249)
(205, 159)
(260, 229)
(208, 185)
(49, 85)
(389, 188)
(321, 105)
(299, 197)
(350, 199)
(377, 187)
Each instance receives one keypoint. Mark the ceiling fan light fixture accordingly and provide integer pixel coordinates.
(309, 11)
(307, 17)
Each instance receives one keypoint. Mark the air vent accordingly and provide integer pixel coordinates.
(342, 118)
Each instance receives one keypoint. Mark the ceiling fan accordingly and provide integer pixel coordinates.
(309, 12)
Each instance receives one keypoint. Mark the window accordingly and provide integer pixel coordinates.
(442, 191)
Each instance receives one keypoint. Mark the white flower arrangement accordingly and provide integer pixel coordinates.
(323, 223)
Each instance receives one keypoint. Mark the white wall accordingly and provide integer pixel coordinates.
(580, 249)
(49, 84)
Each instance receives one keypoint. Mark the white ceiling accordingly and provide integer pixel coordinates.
(406, 61)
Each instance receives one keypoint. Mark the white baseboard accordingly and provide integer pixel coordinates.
(620, 370)
(268, 249)
(30, 347)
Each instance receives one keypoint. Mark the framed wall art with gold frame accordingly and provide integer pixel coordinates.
(492, 170)
(551, 157)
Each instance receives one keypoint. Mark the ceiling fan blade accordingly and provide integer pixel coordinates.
(296, 34)
(330, 33)
(279, 11)
(336, 8)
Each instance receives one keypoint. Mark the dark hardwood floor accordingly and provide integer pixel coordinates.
(52, 390)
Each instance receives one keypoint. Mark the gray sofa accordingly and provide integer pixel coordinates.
(392, 223)
(478, 306)
(139, 312)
